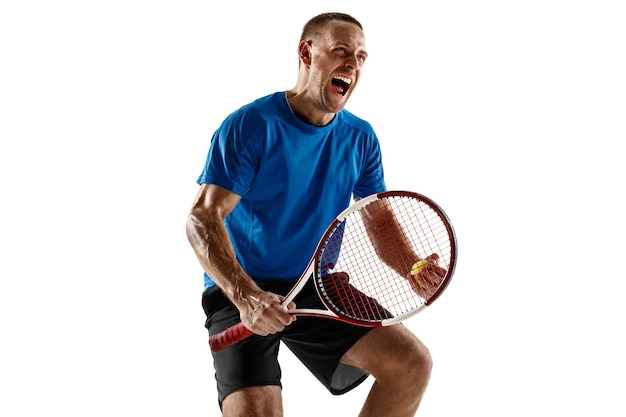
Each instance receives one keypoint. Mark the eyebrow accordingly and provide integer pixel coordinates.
(360, 50)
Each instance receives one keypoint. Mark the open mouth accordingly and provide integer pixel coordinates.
(341, 85)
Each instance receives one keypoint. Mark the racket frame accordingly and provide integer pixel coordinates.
(312, 271)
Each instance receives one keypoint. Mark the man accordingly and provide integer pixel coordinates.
(278, 172)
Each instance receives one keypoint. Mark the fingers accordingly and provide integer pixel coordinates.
(269, 316)
(432, 258)
(429, 278)
(433, 274)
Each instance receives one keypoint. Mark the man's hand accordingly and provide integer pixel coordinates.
(264, 314)
(426, 279)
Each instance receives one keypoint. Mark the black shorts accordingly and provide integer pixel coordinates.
(319, 343)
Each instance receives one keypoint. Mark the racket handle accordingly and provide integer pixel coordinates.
(230, 336)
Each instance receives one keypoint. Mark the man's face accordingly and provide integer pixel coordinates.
(337, 58)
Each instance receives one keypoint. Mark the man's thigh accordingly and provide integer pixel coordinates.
(385, 349)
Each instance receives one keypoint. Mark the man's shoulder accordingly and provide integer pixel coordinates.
(270, 102)
(255, 113)
(355, 122)
(262, 108)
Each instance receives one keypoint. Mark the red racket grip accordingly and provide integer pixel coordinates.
(230, 336)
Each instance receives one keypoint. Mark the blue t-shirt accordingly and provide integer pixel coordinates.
(293, 179)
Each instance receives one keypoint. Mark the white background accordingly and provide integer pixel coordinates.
(510, 114)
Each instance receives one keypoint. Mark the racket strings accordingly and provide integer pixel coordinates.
(351, 301)
(356, 283)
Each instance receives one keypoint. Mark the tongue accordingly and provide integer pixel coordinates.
(338, 87)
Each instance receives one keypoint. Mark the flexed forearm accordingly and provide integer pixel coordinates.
(211, 244)
(260, 311)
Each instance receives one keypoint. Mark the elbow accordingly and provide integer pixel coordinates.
(192, 228)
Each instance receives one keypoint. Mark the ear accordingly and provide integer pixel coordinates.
(304, 51)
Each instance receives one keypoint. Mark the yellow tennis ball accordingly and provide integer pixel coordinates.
(419, 267)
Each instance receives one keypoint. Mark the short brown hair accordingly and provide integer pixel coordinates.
(312, 27)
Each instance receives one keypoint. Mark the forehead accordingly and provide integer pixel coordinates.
(340, 32)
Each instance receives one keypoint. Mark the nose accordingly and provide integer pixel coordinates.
(353, 62)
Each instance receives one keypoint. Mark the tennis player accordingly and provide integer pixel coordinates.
(278, 171)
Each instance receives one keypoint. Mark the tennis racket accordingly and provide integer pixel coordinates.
(382, 260)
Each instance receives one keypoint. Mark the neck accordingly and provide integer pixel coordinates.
(306, 110)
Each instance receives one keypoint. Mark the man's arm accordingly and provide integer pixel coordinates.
(393, 247)
(260, 311)
(388, 238)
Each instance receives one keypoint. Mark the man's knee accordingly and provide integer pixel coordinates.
(262, 401)
(421, 362)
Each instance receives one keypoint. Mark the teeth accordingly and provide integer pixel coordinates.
(344, 79)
